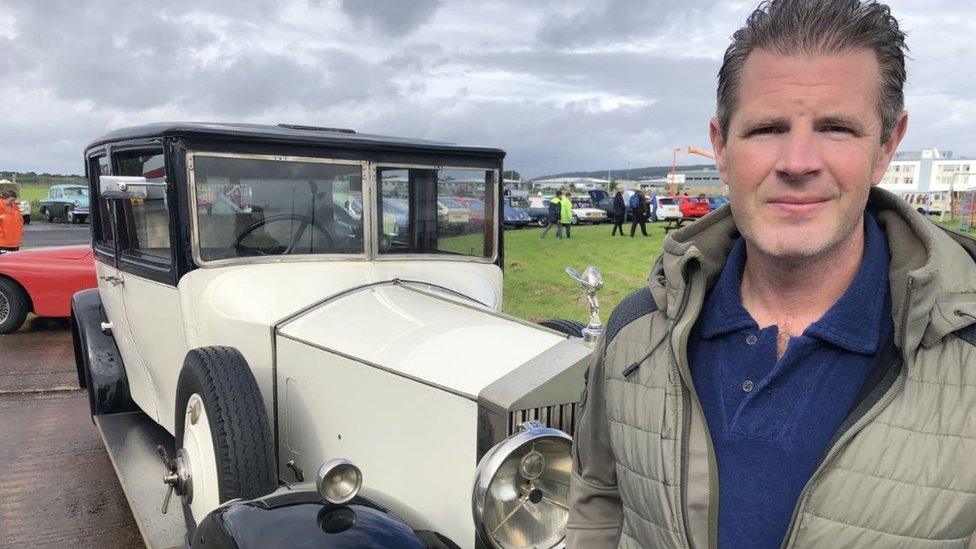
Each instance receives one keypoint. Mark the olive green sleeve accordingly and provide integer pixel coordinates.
(595, 512)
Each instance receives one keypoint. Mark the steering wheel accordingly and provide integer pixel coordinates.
(304, 220)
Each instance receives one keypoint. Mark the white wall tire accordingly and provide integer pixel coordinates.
(229, 446)
(199, 448)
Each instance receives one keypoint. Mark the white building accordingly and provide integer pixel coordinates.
(929, 170)
(559, 183)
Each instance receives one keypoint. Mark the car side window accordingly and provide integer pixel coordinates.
(104, 223)
(144, 221)
(447, 211)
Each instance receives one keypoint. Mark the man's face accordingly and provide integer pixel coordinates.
(803, 150)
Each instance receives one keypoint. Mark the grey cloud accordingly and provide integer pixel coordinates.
(391, 17)
(615, 21)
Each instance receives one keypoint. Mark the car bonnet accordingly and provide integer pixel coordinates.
(444, 341)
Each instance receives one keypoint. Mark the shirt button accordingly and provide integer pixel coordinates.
(747, 385)
(751, 339)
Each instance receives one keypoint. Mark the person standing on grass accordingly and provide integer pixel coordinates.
(566, 212)
(800, 369)
(11, 222)
(555, 209)
(640, 214)
(619, 212)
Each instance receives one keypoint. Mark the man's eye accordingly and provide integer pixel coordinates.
(834, 128)
(765, 130)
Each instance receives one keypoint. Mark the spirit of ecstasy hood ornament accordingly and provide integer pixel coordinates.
(591, 281)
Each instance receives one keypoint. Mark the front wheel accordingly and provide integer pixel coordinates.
(222, 432)
(576, 220)
(543, 222)
(14, 306)
(48, 216)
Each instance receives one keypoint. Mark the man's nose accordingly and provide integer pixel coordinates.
(799, 155)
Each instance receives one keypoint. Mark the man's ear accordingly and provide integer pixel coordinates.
(889, 147)
(718, 146)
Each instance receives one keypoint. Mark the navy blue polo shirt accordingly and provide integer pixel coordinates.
(771, 420)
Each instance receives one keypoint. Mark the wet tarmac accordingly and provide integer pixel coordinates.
(41, 233)
(57, 485)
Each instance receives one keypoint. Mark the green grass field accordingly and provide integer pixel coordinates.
(33, 192)
(536, 286)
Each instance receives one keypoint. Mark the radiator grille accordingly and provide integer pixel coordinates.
(557, 416)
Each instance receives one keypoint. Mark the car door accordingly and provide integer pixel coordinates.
(110, 286)
(150, 294)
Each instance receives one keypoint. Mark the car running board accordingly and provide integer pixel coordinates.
(131, 439)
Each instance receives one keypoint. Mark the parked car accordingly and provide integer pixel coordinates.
(716, 202)
(25, 207)
(606, 204)
(67, 201)
(693, 208)
(476, 210)
(452, 215)
(515, 218)
(928, 202)
(304, 390)
(42, 281)
(584, 212)
(538, 210)
(664, 208)
(394, 218)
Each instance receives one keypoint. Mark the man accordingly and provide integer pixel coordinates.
(641, 212)
(555, 207)
(619, 212)
(11, 222)
(801, 370)
(566, 212)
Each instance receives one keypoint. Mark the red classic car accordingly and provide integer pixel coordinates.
(42, 281)
(694, 207)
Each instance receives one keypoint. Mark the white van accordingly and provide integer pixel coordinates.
(928, 202)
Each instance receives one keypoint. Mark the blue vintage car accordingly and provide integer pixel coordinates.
(67, 201)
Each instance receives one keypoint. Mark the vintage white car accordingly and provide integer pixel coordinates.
(585, 212)
(305, 381)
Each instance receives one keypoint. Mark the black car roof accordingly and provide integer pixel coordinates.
(289, 133)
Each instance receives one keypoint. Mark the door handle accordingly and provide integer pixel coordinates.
(113, 280)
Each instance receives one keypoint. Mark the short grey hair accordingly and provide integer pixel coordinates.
(790, 27)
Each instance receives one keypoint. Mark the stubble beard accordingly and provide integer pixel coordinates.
(797, 251)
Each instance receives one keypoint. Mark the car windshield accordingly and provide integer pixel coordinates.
(431, 220)
(269, 207)
(75, 191)
(665, 201)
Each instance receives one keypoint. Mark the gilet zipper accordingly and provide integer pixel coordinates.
(684, 396)
(855, 427)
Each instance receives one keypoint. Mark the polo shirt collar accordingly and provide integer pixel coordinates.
(852, 323)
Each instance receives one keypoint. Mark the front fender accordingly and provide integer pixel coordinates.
(303, 519)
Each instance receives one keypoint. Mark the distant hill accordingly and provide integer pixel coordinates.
(632, 173)
(42, 179)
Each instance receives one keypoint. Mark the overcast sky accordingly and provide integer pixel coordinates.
(559, 84)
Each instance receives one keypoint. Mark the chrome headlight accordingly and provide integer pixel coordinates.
(338, 481)
(521, 491)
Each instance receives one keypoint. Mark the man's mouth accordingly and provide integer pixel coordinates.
(798, 205)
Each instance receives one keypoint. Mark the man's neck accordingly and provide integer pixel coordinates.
(793, 294)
